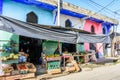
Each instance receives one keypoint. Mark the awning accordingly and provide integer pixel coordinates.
(67, 35)
(93, 38)
(41, 32)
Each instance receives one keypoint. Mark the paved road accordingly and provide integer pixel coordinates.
(101, 73)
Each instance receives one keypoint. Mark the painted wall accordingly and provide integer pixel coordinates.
(19, 11)
(50, 47)
(98, 30)
(1, 3)
(76, 22)
(97, 26)
(7, 43)
(107, 28)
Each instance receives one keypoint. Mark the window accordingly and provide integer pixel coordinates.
(68, 23)
(92, 45)
(92, 29)
(32, 17)
(103, 30)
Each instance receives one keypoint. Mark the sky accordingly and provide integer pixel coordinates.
(110, 8)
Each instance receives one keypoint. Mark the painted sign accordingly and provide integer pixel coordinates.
(53, 65)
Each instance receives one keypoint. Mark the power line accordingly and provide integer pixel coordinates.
(104, 7)
(100, 6)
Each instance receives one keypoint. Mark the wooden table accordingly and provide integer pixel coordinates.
(86, 57)
(65, 57)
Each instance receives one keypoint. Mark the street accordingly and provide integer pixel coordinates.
(101, 73)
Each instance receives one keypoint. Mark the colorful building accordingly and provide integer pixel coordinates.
(44, 12)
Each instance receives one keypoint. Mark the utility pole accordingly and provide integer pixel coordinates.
(58, 11)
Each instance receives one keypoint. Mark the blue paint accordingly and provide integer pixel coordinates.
(63, 11)
(96, 20)
(36, 3)
(19, 11)
(71, 13)
(107, 28)
(1, 4)
(55, 17)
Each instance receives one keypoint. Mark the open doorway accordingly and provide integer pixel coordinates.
(31, 46)
(69, 47)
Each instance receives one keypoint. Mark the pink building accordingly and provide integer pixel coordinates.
(96, 28)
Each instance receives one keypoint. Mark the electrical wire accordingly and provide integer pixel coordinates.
(103, 7)
(98, 6)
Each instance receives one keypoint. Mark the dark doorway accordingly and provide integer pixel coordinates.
(69, 47)
(104, 31)
(92, 29)
(92, 45)
(31, 46)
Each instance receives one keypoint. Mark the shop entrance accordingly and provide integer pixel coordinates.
(69, 47)
(31, 46)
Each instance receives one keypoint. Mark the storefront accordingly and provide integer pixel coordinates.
(52, 46)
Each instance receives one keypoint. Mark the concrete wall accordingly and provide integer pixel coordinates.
(76, 22)
(98, 30)
(19, 11)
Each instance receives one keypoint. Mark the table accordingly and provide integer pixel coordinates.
(65, 57)
(86, 57)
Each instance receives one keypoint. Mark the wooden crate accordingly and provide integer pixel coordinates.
(69, 69)
(31, 67)
(54, 71)
(29, 75)
(13, 77)
(22, 76)
(22, 68)
(2, 78)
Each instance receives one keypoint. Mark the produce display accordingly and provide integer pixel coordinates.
(12, 56)
(22, 68)
(53, 57)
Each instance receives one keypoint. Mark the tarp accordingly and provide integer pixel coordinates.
(50, 33)
(93, 38)
(112, 35)
(26, 29)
